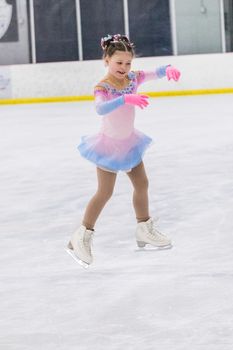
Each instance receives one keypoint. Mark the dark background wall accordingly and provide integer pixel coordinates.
(150, 27)
(99, 19)
(55, 30)
(64, 32)
(56, 27)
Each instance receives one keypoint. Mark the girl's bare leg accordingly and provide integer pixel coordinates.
(106, 183)
(139, 180)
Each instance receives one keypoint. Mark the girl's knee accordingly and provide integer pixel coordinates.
(142, 185)
(105, 194)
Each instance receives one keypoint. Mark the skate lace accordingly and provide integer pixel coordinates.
(87, 242)
(153, 231)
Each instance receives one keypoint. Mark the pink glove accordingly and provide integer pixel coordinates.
(136, 100)
(172, 73)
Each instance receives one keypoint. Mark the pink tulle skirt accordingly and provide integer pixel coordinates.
(114, 154)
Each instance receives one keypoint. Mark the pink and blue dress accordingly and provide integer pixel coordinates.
(118, 145)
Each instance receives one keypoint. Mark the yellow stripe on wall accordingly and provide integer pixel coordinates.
(190, 92)
(45, 99)
(90, 98)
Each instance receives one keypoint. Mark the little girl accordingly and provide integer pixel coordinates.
(118, 145)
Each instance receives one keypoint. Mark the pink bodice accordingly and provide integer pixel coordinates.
(119, 124)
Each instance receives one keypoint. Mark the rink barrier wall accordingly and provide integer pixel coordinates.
(91, 98)
(74, 81)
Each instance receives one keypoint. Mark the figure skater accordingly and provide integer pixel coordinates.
(119, 146)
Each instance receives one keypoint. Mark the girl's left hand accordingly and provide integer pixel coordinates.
(172, 73)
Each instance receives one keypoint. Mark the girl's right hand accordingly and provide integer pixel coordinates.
(136, 100)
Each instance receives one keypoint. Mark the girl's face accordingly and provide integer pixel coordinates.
(119, 64)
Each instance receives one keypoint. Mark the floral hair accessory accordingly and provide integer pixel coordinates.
(116, 38)
(105, 41)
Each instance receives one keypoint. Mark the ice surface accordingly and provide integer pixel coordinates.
(129, 299)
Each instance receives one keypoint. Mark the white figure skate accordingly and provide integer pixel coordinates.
(79, 246)
(147, 233)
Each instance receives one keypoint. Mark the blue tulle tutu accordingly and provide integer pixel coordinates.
(113, 154)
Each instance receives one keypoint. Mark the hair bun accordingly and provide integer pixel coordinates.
(105, 41)
(116, 38)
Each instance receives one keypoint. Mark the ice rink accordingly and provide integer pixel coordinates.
(177, 299)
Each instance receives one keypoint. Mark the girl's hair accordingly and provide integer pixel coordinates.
(111, 43)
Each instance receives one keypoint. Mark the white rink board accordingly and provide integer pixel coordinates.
(213, 71)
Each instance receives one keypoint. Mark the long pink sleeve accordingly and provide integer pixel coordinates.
(103, 105)
(158, 73)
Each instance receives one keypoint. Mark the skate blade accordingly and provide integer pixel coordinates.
(153, 248)
(76, 258)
